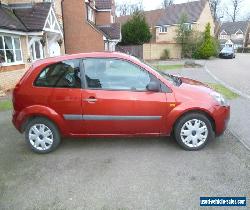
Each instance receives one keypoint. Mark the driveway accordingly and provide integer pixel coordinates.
(112, 173)
(234, 72)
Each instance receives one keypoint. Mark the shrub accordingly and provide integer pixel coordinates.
(136, 30)
(243, 50)
(165, 54)
(208, 47)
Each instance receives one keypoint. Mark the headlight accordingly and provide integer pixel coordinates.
(219, 98)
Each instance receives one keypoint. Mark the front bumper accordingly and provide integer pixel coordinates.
(221, 117)
(223, 55)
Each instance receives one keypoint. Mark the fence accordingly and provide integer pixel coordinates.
(135, 50)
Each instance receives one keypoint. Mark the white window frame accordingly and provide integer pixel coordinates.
(189, 26)
(33, 50)
(163, 29)
(52, 22)
(223, 36)
(14, 50)
(90, 14)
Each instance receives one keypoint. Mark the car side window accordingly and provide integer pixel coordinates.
(65, 74)
(115, 74)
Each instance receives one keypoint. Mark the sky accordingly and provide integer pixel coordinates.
(154, 4)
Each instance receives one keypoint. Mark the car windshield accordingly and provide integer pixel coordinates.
(171, 78)
(227, 50)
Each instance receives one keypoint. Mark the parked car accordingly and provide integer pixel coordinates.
(227, 52)
(113, 94)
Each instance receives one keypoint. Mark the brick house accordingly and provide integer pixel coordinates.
(89, 25)
(29, 30)
(164, 22)
(237, 33)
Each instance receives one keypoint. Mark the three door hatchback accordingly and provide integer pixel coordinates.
(112, 94)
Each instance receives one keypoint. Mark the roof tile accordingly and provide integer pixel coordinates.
(34, 18)
(103, 4)
(112, 31)
(9, 21)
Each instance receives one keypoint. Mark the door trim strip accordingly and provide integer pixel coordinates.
(109, 117)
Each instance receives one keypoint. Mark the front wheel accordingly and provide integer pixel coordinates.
(193, 131)
(42, 135)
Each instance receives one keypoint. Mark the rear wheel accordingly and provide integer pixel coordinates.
(42, 135)
(193, 131)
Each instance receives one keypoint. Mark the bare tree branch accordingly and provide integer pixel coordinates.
(234, 12)
(166, 3)
(214, 5)
(126, 8)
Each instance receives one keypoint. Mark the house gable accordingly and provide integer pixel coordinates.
(223, 32)
(205, 18)
(51, 23)
(239, 32)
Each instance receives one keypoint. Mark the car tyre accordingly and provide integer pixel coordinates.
(42, 135)
(193, 131)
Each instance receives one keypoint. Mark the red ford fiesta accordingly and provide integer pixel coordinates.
(113, 94)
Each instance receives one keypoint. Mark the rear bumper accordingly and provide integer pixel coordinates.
(221, 117)
(16, 121)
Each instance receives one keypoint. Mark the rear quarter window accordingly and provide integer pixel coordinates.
(65, 74)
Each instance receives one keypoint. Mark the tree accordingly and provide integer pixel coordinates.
(136, 30)
(166, 3)
(208, 47)
(183, 34)
(235, 9)
(125, 8)
(214, 5)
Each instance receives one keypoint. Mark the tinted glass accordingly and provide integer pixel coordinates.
(114, 74)
(1, 42)
(17, 43)
(65, 74)
(2, 57)
(8, 42)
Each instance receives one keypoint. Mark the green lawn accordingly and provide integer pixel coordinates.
(5, 105)
(169, 67)
(223, 90)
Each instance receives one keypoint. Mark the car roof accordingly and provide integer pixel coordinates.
(84, 55)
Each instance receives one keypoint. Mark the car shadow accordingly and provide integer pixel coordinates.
(112, 142)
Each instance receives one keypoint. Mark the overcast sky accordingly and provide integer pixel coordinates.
(154, 4)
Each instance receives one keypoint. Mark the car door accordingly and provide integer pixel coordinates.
(116, 101)
(62, 84)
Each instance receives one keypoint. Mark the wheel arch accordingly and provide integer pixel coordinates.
(199, 111)
(33, 112)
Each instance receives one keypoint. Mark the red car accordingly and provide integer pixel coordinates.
(113, 94)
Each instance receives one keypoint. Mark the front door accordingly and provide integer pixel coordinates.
(116, 101)
(36, 49)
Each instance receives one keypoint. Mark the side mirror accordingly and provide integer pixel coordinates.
(153, 86)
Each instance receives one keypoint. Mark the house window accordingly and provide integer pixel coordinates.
(112, 18)
(10, 50)
(223, 36)
(163, 29)
(239, 34)
(90, 14)
(188, 26)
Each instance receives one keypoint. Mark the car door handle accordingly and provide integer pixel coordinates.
(90, 100)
